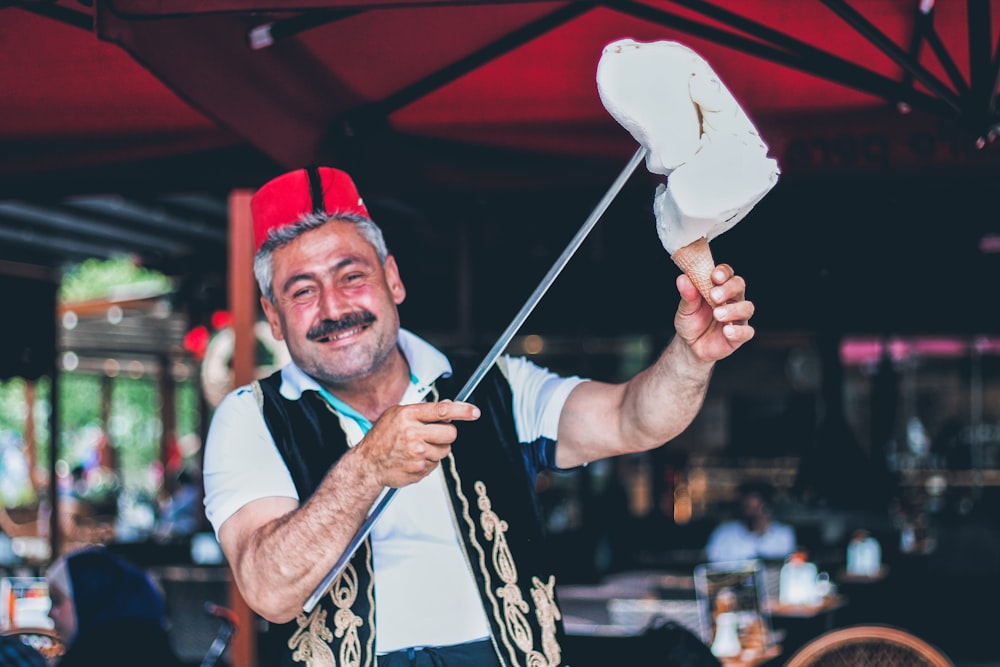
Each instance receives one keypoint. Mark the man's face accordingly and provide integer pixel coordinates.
(753, 507)
(335, 304)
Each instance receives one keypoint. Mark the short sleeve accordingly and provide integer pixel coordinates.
(242, 463)
(539, 396)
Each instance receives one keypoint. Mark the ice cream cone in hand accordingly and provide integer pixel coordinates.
(696, 135)
(695, 260)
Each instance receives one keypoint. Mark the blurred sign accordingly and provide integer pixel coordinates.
(24, 603)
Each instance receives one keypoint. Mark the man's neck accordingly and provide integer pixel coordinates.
(376, 393)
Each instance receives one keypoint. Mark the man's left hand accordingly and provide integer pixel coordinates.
(713, 331)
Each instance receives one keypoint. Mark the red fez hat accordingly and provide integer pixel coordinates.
(285, 199)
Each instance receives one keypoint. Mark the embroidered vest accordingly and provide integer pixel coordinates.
(500, 528)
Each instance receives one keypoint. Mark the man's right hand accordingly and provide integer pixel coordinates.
(408, 441)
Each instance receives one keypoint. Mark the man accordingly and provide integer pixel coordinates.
(756, 533)
(454, 571)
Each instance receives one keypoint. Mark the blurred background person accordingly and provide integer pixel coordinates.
(108, 612)
(755, 533)
(181, 514)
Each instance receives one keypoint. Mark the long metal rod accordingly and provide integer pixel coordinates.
(485, 365)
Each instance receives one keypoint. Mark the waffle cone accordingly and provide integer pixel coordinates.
(695, 260)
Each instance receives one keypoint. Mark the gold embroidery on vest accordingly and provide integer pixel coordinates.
(515, 607)
(258, 394)
(370, 648)
(487, 574)
(309, 643)
(344, 593)
(547, 612)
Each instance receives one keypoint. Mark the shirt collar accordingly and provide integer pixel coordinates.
(426, 362)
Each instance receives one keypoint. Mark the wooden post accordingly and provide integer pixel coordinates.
(168, 417)
(56, 538)
(30, 444)
(108, 451)
(243, 306)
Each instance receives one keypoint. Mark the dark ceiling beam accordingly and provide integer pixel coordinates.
(53, 217)
(878, 39)
(805, 58)
(263, 35)
(214, 207)
(478, 58)
(924, 22)
(52, 245)
(51, 10)
(984, 69)
(280, 87)
(352, 134)
(980, 56)
(149, 216)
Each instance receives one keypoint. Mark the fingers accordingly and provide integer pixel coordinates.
(735, 310)
(729, 288)
(716, 326)
(408, 442)
(447, 411)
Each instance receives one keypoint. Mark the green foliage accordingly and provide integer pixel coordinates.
(98, 278)
(134, 424)
(12, 406)
(188, 407)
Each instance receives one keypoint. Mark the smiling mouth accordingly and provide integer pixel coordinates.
(342, 334)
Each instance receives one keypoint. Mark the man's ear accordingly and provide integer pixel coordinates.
(271, 313)
(393, 280)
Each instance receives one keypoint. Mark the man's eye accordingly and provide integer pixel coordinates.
(303, 293)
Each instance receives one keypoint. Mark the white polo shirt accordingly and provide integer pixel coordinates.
(425, 591)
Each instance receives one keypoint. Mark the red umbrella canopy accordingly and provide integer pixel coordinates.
(435, 83)
(72, 100)
(431, 104)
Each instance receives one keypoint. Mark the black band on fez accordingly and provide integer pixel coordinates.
(316, 190)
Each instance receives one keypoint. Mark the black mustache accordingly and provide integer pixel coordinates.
(349, 321)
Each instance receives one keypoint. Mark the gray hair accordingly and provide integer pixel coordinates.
(263, 267)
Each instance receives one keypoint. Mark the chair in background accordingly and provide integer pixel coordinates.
(869, 645)
(229, 624)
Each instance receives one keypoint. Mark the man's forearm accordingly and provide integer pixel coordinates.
(601, 420)
(279, 564)
(663, 400)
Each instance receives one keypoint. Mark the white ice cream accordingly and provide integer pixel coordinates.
(697, 135)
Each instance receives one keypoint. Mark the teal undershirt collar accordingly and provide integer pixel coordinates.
(345, 410)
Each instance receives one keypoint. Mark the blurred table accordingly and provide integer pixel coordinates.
(752, 659)
(845, 577)
(801, 623)
(830, 604)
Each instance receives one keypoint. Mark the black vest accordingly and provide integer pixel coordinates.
(492, 496)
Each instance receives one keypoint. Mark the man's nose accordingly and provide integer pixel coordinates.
(332, 304)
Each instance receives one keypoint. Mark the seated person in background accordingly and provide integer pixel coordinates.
(180, 514)
(107, 612)
(15, 653)
(756, 534)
